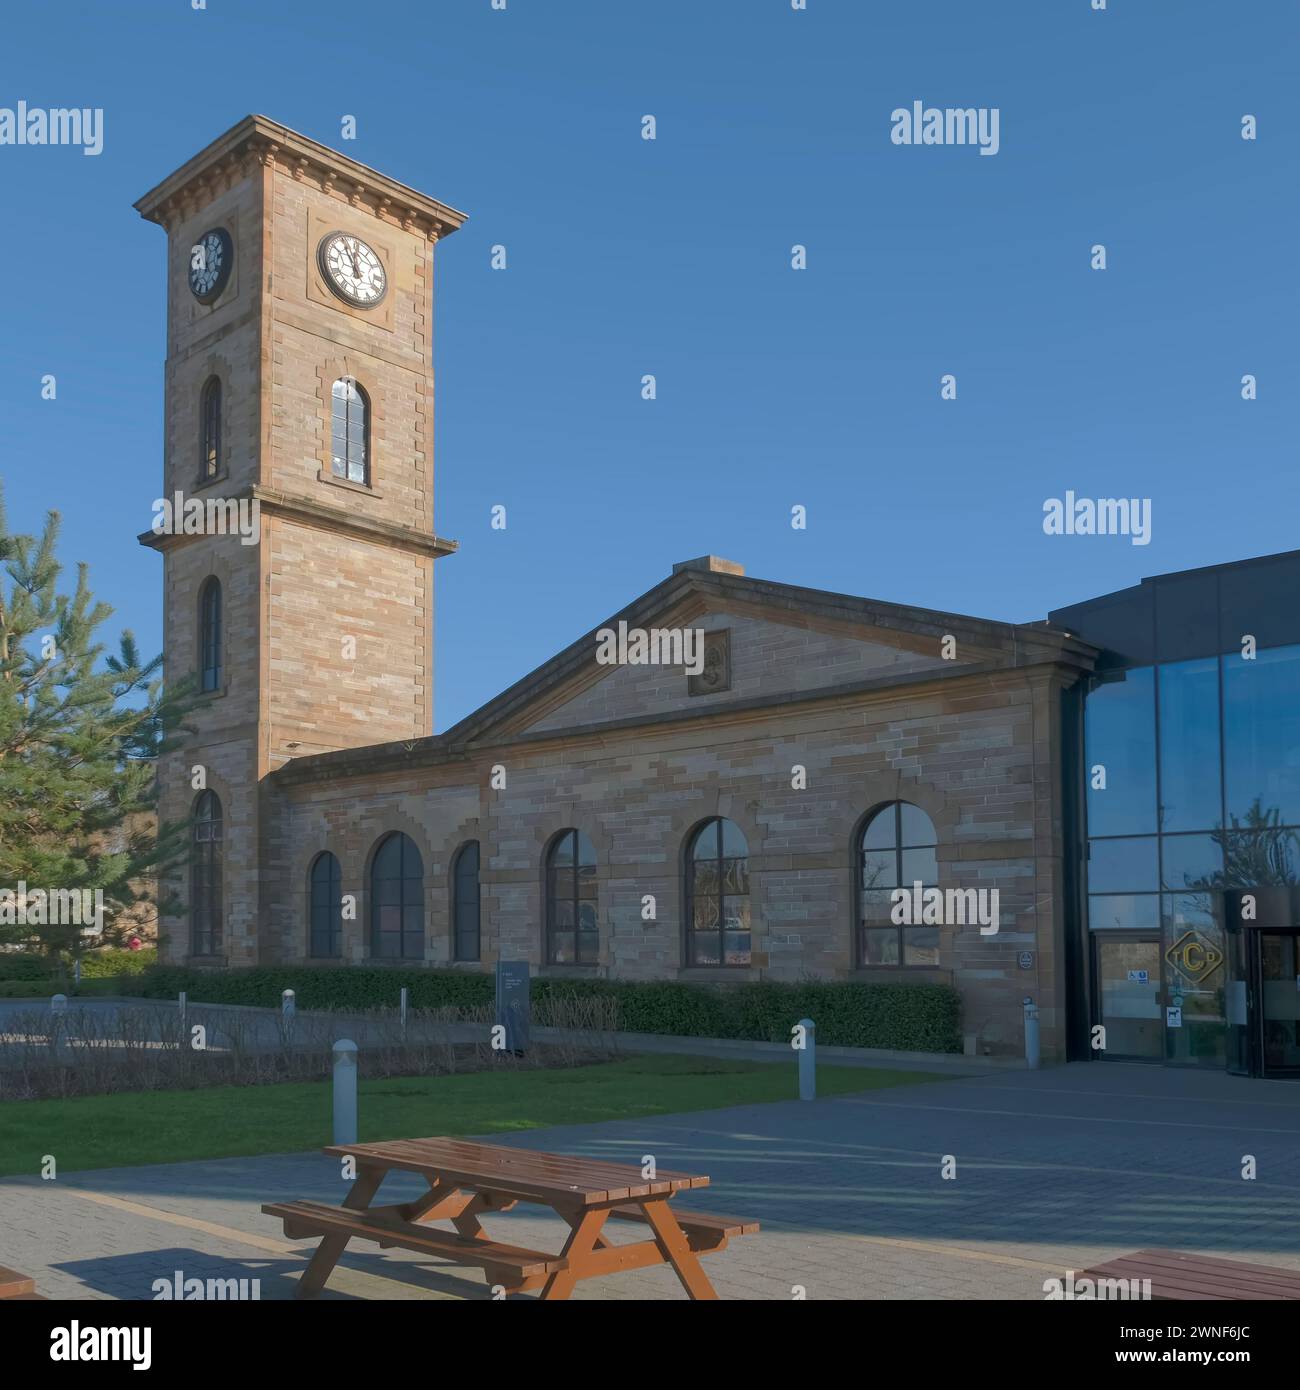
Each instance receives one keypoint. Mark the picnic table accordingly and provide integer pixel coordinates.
(466, 1181)
(1175, 1275)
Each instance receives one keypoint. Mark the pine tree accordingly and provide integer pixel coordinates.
(80, 732)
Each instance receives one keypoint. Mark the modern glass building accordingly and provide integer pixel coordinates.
(1185, 842)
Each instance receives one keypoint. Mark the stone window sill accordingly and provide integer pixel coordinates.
(201, 484)
(346, 484)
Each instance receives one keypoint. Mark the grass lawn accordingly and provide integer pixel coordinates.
(227, 1121)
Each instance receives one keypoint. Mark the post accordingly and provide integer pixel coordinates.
(288, 1008)
(345, 1091)
(1031, 1034)
(59, 1004)
(182, 1003)
(808, 1060)
(76, 971)
(404, 999)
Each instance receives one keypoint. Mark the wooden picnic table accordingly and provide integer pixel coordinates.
(467, 1181)
(1175, 1275)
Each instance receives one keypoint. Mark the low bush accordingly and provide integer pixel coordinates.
(903, 1017)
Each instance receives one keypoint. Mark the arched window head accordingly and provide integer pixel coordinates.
(397, 900)
(206, 857)
(210, 635)
(717, 895)
(350, 432)
(897, 848)
(465, 903)
(325, 895)
(210, 430)
(572, 928)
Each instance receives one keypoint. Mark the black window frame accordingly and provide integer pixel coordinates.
(325, 907)
(467, 903)
(583, 888)
(341, 463)
(693, 895)
(210, 430)
(861, 924)
(207, 862)
(410, 901)
(211, 614)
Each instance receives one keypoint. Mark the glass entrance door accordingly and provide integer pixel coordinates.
(1277, 1002)
(1128, 994)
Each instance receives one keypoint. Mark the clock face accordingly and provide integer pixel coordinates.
(211, 259)
(352, 269)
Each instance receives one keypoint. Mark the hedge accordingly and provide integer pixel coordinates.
(105, 963)
(904, 1017)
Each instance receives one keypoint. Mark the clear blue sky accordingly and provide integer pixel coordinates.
(776, 387)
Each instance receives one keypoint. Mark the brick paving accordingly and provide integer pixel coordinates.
(1054, 1170)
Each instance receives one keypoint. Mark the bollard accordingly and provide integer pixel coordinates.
(76, 971)
(59, 1004)
(1031, 1034)
(345, 1091)
(182, 1005)
(403, 1013)
(288, 1008)
(808, 1061)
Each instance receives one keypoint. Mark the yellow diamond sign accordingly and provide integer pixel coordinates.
(1194, 959)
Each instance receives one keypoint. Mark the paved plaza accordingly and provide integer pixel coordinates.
(1054, 1170)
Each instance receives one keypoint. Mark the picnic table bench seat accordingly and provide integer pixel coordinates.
(18, 1286)
(305, 1219)
(1176, 1275)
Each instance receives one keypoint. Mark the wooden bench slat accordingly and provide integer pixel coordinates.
(325, 1220)
(15, 1285)
(1177, 1275)
(689, 1220)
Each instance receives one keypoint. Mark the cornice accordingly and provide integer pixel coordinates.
(257, 143)
(310, 513)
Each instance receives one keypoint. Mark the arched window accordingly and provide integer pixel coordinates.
(205, 877)
(210, 635)
(896, 849)
(465, 903)
(572, 932)
(326, 906)
(717, 895)
(397, 900)
(349, 432)
(210, 430)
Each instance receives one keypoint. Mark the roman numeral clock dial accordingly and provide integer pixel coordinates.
(352, 270)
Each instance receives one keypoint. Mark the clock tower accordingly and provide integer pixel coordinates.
(299, 543)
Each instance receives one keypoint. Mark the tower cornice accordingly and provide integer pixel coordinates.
(257, 142)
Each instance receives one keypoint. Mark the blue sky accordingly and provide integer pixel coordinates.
(672, 257)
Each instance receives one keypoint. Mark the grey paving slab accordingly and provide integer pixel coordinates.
(1051, 1171)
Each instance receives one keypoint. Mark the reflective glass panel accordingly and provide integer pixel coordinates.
(1120, 736)
(1189, 746)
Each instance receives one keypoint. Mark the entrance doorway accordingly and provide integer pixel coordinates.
(1127, 971)
(1275, 996)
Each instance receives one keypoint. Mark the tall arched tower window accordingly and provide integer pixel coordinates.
(572, 928)
(397, 900)
(205, 876)
(326, 895)
(349, 432)
(897, 848)
(210, 429)
(717, 895)
(210, 635)
(465, 904)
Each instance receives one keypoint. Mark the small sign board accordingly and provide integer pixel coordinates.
(513, 1009)
(1173, 1017)
(1025, 960)
(1139, 977)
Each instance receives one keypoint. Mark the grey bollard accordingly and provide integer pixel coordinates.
(345, 1091)
(59, 1004)
(808, 1061)
(288, 1008)
(403, 1013)
(1031, 1034)
(183, 1006)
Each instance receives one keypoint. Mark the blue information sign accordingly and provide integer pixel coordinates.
(512, 1003)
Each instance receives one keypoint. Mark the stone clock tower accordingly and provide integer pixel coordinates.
(299, 387)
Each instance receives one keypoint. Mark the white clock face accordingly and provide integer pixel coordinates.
(352, 269)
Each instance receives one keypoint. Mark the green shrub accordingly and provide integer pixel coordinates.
(29, 989)
(96, 965)
(903, 1017)
(25, 965)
